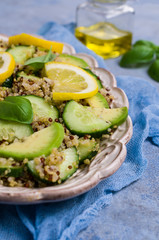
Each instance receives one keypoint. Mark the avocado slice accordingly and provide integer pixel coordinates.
(66, 58)
(95, 77)
(14, 129)
(114, 116)
(24, 75)
(97, 101)
(39, 143)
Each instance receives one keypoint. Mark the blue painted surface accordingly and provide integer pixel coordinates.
(134, 211)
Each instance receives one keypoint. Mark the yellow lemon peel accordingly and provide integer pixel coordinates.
(70, 81)
(27, 39)
(7, 66)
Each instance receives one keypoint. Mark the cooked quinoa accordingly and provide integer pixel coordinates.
(46, 166)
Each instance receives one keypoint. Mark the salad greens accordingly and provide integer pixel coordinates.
(38, 62)
(16, 108)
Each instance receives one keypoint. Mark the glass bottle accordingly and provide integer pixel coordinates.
(105, 26)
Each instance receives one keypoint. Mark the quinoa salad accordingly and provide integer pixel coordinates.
(54, 113)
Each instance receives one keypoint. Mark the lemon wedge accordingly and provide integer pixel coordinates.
(7, 65)
(70, 81)
(27, 39)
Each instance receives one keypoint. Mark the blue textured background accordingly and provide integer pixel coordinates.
(134, 211)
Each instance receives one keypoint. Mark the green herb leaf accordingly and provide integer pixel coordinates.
(144, 43)
(157, 52)
(16, 108)
(38, 62)
(137, 56)
(153, 70)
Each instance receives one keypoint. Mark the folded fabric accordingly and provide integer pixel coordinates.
(64, 220)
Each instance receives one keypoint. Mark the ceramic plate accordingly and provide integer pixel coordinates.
(107, 162)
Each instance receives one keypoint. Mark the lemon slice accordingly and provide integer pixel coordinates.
(7, 65)
(70, 81)
(27, 39)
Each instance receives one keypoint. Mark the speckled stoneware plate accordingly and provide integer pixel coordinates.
(107, 162)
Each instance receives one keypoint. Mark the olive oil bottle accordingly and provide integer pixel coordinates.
(105, 26)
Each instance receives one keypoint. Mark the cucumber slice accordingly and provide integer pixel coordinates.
(97, 101)
(96, 78)
(38, 144)
(66, 168)
(86, 149)
(34, 173)
(116, 116)
(21, 53)
(41, 108)
(70, 163)
(72, 60)
(80, 121)
(10, 129)
(13, 171)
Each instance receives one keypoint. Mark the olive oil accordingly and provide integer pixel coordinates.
(105, 39)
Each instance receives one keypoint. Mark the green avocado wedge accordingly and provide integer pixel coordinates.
(38, 144)
(95, 77)
(66, 58)
(97, 101)
(116, 116)
(26, 76)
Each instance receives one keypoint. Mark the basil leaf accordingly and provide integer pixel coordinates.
(144, 43)
(38, 62)
(16, 108)
(153, 70)
(137, 56)
(50, 56)
(157, 52)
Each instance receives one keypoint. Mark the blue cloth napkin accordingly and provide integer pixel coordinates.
(64, 220)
